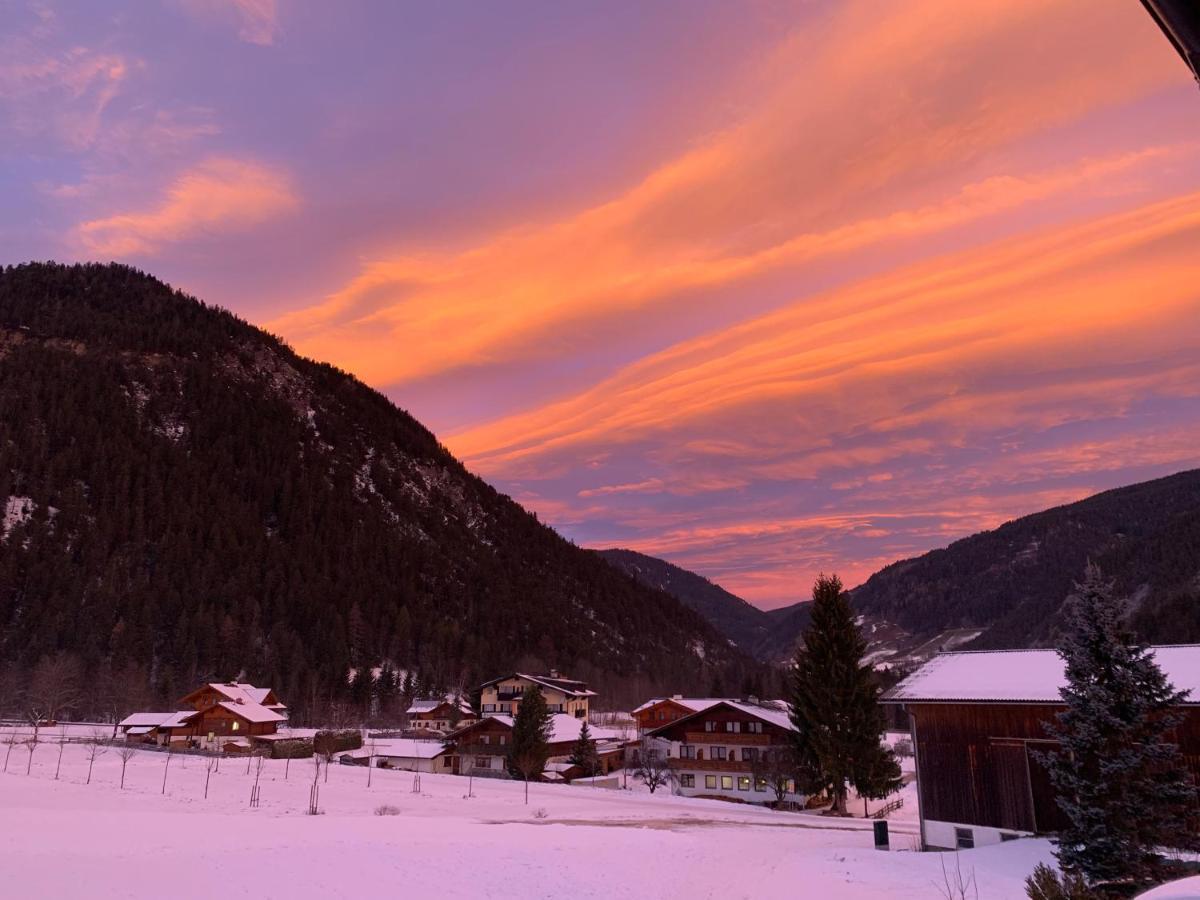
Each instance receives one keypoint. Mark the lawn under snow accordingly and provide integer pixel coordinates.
(64, 838)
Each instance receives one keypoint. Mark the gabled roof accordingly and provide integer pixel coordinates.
(566, 685)
(1022, 676)
(563, 728)
(239, 691)
(401, 748)
(695, 704)
(144, 719)
(773, 712)
(424, 706)
(252, 712)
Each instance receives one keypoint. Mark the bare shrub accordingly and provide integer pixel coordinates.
(540, 813)
(955, 885)
(386, 809)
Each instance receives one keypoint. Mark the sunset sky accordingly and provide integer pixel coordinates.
(763, 288)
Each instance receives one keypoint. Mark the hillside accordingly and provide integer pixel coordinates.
(1009, 583)
(185, 498)
(767, 635)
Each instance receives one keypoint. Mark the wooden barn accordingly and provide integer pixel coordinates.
(978, 722)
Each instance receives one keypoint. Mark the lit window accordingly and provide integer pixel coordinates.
(743, 782)
(760, 783)
(727, 782)
(236, 725)
(710, 781)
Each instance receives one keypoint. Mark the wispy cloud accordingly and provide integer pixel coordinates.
(216, 195)
(256, 21)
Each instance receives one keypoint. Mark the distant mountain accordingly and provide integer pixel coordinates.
(1009, 583)
(767, 635)
(185, 499)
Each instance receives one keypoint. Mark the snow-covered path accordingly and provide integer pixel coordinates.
(63, 838)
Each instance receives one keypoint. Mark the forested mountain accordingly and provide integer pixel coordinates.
(1010, 582)
(768, 635)
(186, 499)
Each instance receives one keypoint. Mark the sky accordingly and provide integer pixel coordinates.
(764, 288)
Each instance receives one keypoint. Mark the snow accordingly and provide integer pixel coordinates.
(1184, 889)
(17, 511)
(695, 704)
(252, 712)
(145, 719)
(406, 748)
(1030, 676)
(63, 838)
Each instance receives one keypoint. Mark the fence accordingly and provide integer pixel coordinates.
(883, 812)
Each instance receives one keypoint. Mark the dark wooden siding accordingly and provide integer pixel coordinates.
(978, 763)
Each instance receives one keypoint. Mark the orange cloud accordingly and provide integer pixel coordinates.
(220, 193)
(797, 180)
(257, 21)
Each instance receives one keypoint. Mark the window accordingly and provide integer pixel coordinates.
(447, 762)
(760, 783)
(661, 715)
(743, 782)
(687, 751)
(503, 739)
(483, 762)
(687, 781)
(727, 782)
(749, 754)
(964, 838)
(791, 785)
(485, 739)
(717, 753)
(237, 725)
(1009, 836)
(754, 727)
(710, 726)
(710, 782)
(733, 727)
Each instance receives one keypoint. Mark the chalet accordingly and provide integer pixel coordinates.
(481, 748)
(978, 722)
(215, 713)
(438, 715)
(563, 695)
(718, 751)
(661, 710)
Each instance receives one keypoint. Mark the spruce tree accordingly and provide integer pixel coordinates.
(532, 727)
(1119, 777)
(584, 754)
(836, 714)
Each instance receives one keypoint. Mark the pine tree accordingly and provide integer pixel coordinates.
(1120, 779)
(835, 705)
(584, 754)
(530, 746)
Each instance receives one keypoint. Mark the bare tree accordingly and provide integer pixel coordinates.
(30, 745)
(125, 752)
(210, 764)
(654, 769)
(95, 748)
(166, 765)
(62, 743)
(314, 792)
(54, 687)
(530, 763)
(777, 766)
(372, 747)
(259, 758)
(12, 739)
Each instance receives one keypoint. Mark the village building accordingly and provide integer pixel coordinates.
(405, 754)
(563, 695)
(217, 714)
(720, 751)
(481, 748)
(978, 722)
(663, 710)
(438, 715)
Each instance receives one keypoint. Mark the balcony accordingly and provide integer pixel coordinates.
(711, 765)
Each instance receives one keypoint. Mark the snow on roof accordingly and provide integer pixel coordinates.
(246, 693)
(252, 712)
(695, 704)
(399, 748)
(178, 719)
(774, 712)
(423, 706)
(566, 685)
(143, 719)
(1024, 676)
(141, 729)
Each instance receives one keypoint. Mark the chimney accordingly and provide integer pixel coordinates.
(554, 673)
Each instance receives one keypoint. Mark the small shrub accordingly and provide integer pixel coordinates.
(295, 748)
(1046, 884)
(387, 809)
(903, 748)
(540, 813)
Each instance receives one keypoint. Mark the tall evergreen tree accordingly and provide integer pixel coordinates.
(835, 705)
(1120, 778)
(530, 746)
(584, 754)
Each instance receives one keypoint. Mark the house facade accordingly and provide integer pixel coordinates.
(663, 710)
(978, 722)
(721, 750)
(438, 715)
(481, 748)
(502, 696)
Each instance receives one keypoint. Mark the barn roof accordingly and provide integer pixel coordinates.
(774, 712)
(252, 712)
(1021, 676)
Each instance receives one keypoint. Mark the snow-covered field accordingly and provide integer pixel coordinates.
(64, 838)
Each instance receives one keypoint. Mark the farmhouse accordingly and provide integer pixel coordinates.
(217, 713)
(662, 710)
(720, 751)
(563, 695)
(407, 754)
(438, 715)
(978, 723)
